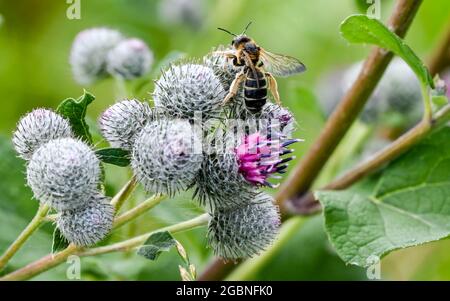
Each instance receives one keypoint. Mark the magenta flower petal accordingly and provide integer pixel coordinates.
(260, 157)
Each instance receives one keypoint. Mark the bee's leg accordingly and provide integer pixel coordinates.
(273, 87)
(238, 57)
(228, 53)
(234, 87)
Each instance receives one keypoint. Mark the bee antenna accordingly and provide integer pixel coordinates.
(227, 31)
(246, 27)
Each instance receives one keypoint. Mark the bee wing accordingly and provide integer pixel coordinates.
(281, 65)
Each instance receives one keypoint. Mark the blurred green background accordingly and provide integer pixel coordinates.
(35, 40)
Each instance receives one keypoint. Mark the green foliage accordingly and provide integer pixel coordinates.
(156, 244)
(36, 82)
(362, 29)
(439, 100)
(305, 255)
(115, 156)
(17, 208)
(409, 205)
(74, 110)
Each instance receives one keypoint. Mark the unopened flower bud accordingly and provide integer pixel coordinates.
(184, 90)
(89, 224)
(88, 56)
(63, 173)
(182, 12)
(123, 121)
(36, 129)
(165, 157)
(244, 231)
(130, 59)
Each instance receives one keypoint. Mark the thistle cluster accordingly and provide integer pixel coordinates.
(189, 140)
(100, 52)
(64, 173)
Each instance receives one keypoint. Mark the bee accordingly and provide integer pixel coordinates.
(259, 68)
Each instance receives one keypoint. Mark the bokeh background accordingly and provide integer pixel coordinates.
(35, 40)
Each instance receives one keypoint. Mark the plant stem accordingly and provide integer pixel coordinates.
(118, 200)
(304, 174)
(348, 109)
(132, 243)
(308, 204)
(26, 233)
(51, 261)
(441, 57)
(41, 216)
(121, 89)
(41, 265)
(249, 268)
(138, 210)
(427, 111)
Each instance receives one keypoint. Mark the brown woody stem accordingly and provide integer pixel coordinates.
(303, 176)
(441, 57)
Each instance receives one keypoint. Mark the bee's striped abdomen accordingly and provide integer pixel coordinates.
(255, 91)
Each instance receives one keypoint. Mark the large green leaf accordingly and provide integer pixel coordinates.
(362, 29)
(75, 111)
(409, 205)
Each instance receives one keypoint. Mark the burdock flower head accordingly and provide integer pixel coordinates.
(182, 12)
(260, 157)
(244, 231)
(167, 156)
(226, 73)
(280, 119)
(36, 129)
(184, 90)
(88, 56)
(130, 59)
(122, 122)
(63, 173)
(220, 185)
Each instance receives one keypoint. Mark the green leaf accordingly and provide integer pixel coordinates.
(59, 241)
(362, 29)
(409, 205)
(439, 100)
(156, 244)
(115, 156)
(74, 110)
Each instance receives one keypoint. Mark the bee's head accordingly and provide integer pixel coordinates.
(238, 39)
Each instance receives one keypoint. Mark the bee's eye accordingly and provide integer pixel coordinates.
(232, 42)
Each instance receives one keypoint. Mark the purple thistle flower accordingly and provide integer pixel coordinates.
(260, 158)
